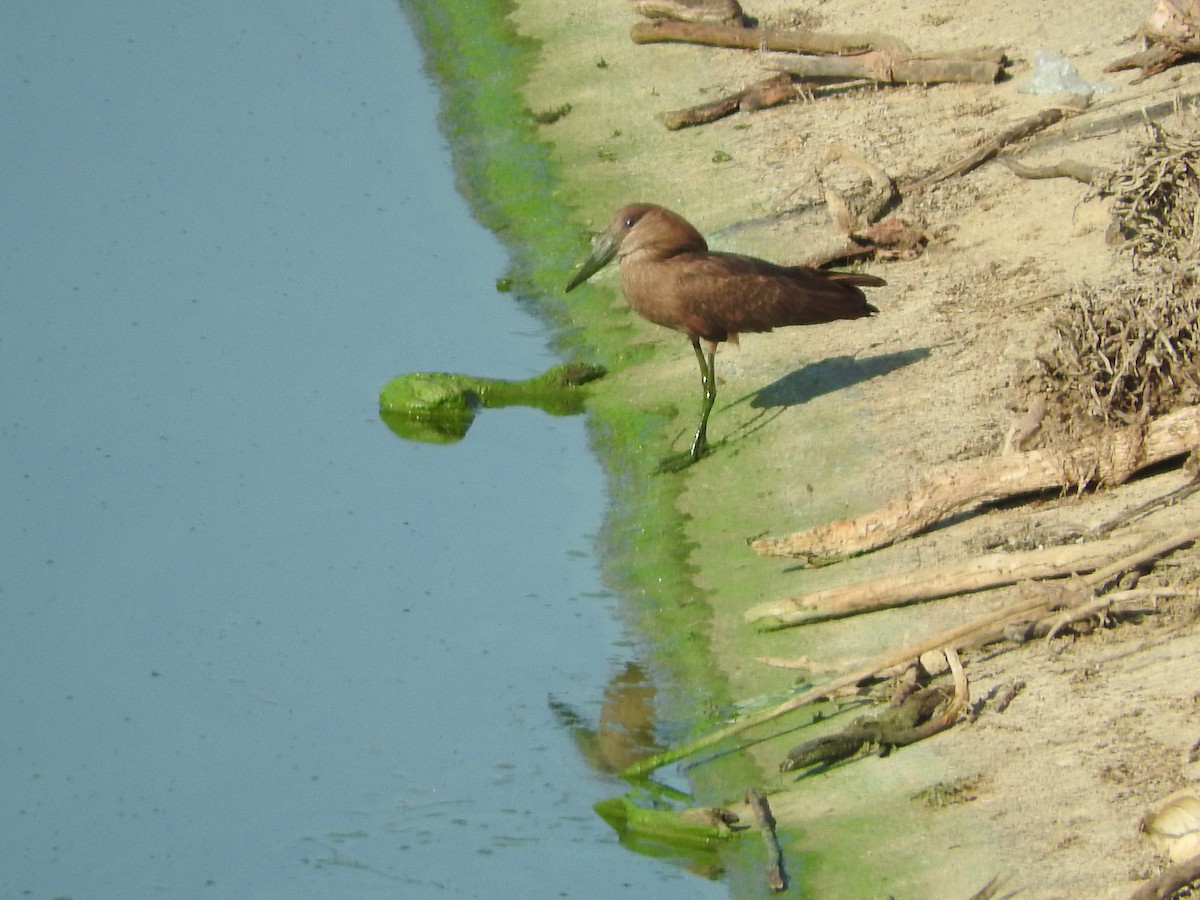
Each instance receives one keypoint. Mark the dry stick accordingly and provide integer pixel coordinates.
(1152, 506)
(883, 190)
(986, 151)
(776, 879)
(930, 583)
(1157, 58)
(949, 638)
(965, 486)
(724, 11)
(988, 891)
(992, 570)
(875, 57)
(962, 690)
(1169, 882)
(889, 67)
(1007, 695)
(762, 94)
(736, 37)
(1068, 168)
(1099, 579)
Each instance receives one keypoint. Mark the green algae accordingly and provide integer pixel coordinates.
(509, 177)
(661, 831)
(511, 180)
(439, 407)
(514, 185)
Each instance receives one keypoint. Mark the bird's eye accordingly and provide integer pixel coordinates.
(629, 221)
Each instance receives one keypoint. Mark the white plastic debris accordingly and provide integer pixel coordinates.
(1054, 74)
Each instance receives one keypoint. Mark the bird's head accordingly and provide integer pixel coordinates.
(640, 227)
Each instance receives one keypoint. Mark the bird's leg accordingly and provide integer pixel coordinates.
(680, 461)
(708, 380)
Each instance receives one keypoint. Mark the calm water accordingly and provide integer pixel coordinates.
(251, 644)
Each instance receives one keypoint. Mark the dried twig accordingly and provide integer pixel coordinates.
(953, 637)
(1170, 882)
(1067, 168)
(1157, 58)
(769, 92)
(990, 148)
(1149, 507)
(1007, 694)
(989, 890)
(1101, 578)
(931, 582)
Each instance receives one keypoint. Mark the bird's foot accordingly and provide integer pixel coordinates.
(677, 462)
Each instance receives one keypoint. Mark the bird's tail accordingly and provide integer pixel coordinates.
(855, 278)
(854, 281)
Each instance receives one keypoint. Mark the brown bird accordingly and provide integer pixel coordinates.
(670, 277)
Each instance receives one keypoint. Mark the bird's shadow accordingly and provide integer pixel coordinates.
(829, 375)
(823, 377)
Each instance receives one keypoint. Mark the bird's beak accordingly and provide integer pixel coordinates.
(604, 248)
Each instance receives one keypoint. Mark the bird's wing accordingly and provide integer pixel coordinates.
(734, 294)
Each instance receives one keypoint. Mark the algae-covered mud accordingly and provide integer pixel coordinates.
(518, 189)
(439, 407)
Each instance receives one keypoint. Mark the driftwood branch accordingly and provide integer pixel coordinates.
(723, 11)
(990, 148)
(1068, 168)
(769, 92)
(889, 67)
(963, 487)
(1102, 577)
(1170, 882)
(1104, 559)
(776, 878)
(930, 583)
(952, 638)
(920, 715)
(737, 37)
(1035, 604)
(1157, 58)
(832, 56)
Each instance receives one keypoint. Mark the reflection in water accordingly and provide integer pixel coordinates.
(626, 732)
(650, 819)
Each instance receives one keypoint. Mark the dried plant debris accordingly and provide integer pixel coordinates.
(1157, 204)
(1130, 350)
(1120, 354)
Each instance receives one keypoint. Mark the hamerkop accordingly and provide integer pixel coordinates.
(670, 277)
